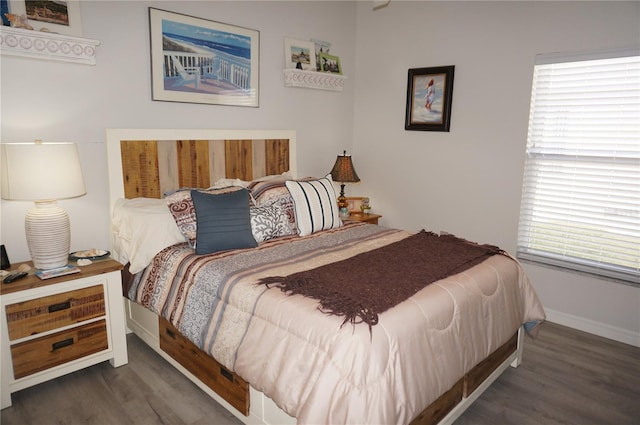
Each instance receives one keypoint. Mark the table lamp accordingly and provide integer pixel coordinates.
(43, 173)
(343, 172)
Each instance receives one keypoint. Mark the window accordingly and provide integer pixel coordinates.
(580, 205)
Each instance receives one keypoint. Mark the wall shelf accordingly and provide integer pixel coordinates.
(48, 46)
(313, 80)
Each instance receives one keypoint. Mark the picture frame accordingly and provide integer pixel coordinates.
(4, 8)
(354, 203)
(429, 94)
(5, 258)
(62, 17)
(321, 47)
(196, 60)
(299, 54)
(330, 63)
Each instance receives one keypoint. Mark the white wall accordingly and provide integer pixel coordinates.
(468, 181)
(57, 101)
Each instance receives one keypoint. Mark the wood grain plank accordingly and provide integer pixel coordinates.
(258, 158)
(193, 163)
(277, 156)
(217, 160)
(140, 169)
(238, 159)
(168, 166)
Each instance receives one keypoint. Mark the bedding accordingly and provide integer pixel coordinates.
(140, 228)
(312, 366)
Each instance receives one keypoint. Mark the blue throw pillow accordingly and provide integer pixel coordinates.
(223, 221)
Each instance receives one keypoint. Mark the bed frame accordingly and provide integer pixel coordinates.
(150, 162)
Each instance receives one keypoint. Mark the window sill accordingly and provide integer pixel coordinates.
(48, 46)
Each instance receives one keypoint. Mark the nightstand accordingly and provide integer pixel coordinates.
(366, 218)
(56, 326)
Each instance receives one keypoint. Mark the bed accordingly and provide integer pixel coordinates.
(272, 357)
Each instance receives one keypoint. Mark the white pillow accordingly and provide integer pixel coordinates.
(315, 205)
(140, 228)
(222, 183)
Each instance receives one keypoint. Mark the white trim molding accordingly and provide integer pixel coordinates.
(46, 45)
(313, 80)
(597, 328)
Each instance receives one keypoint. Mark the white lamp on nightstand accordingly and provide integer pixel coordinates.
(43, 173)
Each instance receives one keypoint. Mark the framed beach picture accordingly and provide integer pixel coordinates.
(429, 93)
(330, 63)
(196, 60)
(62, 17)
(299, 54)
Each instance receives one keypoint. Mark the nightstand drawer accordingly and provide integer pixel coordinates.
(43, 353)
(55, 311)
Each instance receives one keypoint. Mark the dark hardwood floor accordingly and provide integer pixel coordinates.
(567, 377)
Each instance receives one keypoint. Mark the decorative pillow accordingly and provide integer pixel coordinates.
(223, 221)
(274, 192)
(181, 206)
(315, 204)
(269, 222)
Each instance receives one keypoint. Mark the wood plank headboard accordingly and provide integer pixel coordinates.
(150, 162)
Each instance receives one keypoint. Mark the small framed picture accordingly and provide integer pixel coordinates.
(354, 203)
(321, 47)
(62, 17)
(299, 54)
(330, 63)
(429, 94)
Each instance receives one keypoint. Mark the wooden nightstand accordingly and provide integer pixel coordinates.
(56, 326)
(367, 218)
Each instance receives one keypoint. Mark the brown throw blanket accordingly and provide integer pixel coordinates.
(361, 287)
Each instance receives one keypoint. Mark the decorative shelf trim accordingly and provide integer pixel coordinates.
(46, 45)
(313, 80)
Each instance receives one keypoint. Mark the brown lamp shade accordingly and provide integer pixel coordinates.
(343, 171)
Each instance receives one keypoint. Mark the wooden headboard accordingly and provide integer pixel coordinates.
(150, 162)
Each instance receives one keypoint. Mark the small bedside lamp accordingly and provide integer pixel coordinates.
(44, 173)
(343, 172)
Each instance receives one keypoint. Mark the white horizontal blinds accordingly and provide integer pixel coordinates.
(581, 195)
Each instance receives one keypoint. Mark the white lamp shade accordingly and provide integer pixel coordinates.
(41, 171)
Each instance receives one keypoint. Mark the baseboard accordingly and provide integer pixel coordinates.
(593, 327)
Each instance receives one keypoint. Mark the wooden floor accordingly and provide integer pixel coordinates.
(567, 377)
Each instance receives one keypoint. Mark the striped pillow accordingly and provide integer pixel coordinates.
(315, 205)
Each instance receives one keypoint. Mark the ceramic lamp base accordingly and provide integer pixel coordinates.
(48, 235)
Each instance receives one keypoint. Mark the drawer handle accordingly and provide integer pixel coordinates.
(60, 306)
(170, 333)
(61, 344)
(224, 372)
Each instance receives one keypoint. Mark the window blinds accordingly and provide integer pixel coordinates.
(581, 192)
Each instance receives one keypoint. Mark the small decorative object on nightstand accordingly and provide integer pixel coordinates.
(56, 326)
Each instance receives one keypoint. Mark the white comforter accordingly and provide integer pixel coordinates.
(323, 373)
